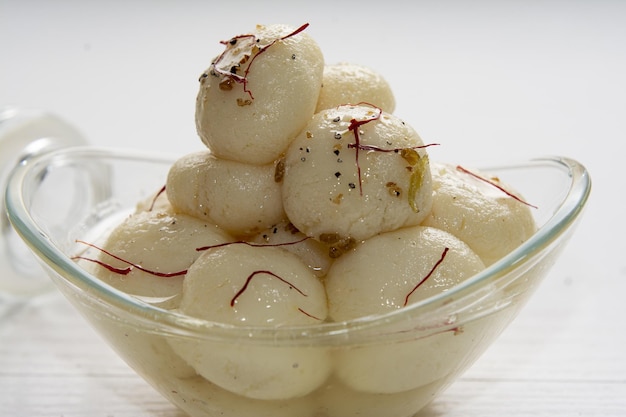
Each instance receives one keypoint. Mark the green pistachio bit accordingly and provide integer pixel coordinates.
(410, 155)
(416, 180)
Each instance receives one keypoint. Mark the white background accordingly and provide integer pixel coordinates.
(491, 81)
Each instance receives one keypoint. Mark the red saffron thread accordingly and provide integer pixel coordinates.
(354, 128)
(244, 79)
(443, 255)
(493, 184)
(130, 264)
(254, 245)
(308, 314)
(120, 271)
(254, 274)
(379, 149)
(158, 194)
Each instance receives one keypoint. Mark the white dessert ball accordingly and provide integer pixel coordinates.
(241, 198)
(353, 172)
(378, 276)
(191, 395)
(339, 400)
(243, 285)
(415, 363)
(491, 221)
(383, 274)
(149, 253)
(346, 83)
(259, 93)
(148, 354)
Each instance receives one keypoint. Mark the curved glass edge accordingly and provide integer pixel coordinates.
(24, 133)
(171, 322)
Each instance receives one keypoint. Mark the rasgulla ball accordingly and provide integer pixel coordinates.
(386, 273)
(241, 198)
(346, 83)
(489, 220)
(259, 93)
(191, 395)
(353, 172)
(340, 400)
(310, 251)
(156, 247)
(244, 285)
(379, 275)
(399, 366)
(145, 352)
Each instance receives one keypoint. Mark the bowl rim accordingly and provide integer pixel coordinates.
(563, 218)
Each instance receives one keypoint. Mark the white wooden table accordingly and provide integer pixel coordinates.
(488, 80)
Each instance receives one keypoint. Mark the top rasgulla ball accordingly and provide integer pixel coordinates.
(259, 93)
(350, 83)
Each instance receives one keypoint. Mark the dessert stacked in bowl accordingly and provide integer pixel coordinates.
(312, 260)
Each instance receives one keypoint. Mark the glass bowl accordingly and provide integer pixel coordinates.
(405, 357)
